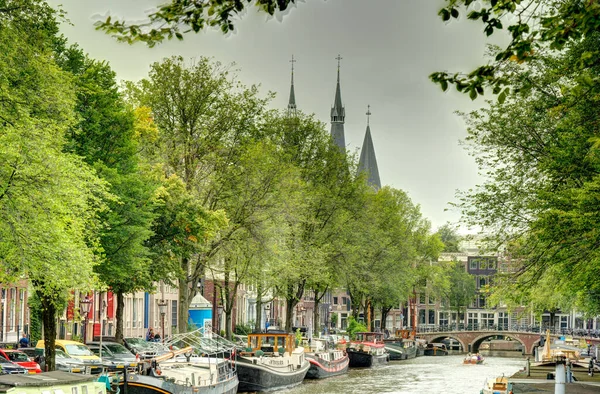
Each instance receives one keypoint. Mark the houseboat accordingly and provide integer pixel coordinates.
(51, 382)
(367, 350)
(435, 349)
(326, 362)
(170, 374)
(270, 361)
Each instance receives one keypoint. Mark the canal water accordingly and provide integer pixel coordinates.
(421, 375)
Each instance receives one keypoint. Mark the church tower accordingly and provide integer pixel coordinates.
(368, 161)
(292, 102)
(338, 114)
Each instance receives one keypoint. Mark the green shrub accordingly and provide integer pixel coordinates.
(354, 327)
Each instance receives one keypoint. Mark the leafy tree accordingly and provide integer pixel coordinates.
(207, 123)
(180, 17)
(461, 289)
(540, 153)
(49, 199)
(536, 28)
(106, 136)
(450, 238)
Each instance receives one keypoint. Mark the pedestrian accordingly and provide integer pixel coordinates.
(24, 341)
(150, 335)
(591, 367)
(157, 337)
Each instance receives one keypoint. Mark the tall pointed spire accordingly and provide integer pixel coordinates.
(368, 161)
(292, 101)
(338, 114)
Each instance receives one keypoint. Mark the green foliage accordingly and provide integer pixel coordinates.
(461, 287)
(243, 329)
(354, 326)
(540, 154)
(449, 236)
(176, 18)
(536, 28)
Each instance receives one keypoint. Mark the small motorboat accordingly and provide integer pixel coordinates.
(498, 385)
(473, 359)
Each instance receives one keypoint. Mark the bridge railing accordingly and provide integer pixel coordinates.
(514, 328)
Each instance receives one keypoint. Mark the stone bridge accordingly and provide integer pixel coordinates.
(471, 340)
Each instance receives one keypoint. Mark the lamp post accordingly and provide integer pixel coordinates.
(84, 307)
(162, 309)
(2, 301)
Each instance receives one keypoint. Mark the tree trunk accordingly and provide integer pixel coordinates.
(49, 324)
(259, 303)
(316, 315)
(119, 316)
(290, 304)
(184, 298)
(384, 314)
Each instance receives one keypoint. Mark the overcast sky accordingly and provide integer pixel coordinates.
(389, 47)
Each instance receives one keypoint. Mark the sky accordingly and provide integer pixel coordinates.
(388, 49)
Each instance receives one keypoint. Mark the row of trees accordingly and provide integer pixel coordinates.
(183, 175)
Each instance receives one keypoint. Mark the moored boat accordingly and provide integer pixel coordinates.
(498, 385)
(473, 359)
(435, 349)
(270, 361)
(51, 382)
(167, 375)
(367, 350)
(325, 362)
(401, 349)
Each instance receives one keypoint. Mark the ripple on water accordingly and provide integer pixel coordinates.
(422, 375)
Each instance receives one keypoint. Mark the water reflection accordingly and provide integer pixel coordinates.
(422, 375)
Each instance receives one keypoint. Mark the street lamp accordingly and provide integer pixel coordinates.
(162, 309)
(84, 307)
(219, 315)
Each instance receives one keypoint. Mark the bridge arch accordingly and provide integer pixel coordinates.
(440, 337)
(475, 343)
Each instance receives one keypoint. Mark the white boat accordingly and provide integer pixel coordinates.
(498, 385)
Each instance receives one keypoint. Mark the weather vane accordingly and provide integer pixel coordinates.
(368, 113)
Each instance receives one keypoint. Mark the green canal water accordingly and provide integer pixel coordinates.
(421, 375)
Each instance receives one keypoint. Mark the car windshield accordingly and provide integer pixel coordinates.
(78, 350)
(60, 354)
(18, 356)
(138, 342)
(117, 348)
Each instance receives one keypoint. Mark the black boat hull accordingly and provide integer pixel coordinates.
(320, 369)
(254, 377)
(360, 359)
(142, 384)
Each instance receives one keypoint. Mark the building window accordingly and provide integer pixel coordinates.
(473, 264)
(492, 265)
(483, 265)
(473, 320)
(174, 313)
(422, 298)
(134, 312)
(335, 300)
(487, 319)
(431, 300)
(443, 319)
(482, 301)
(503, 323)
(564, 322)
(482, 281)
(421, 316)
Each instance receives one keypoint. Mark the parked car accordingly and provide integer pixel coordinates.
(79, 351)
(114, 355)
(21, 359)
(10, 368)
(62, 361)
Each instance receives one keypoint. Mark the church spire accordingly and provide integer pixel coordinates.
(292, 101)
(368, 161)
(338, 114)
